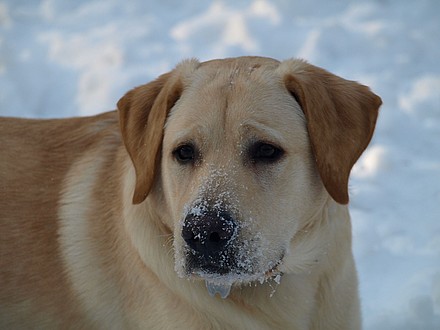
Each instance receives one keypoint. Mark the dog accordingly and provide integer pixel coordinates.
(215, 197)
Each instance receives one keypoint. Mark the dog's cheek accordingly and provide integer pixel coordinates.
(299, 195)
(179, 254)
(170, 194)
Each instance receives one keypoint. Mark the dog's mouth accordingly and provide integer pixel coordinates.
(220, 279)
(224, 288)
(223, 251)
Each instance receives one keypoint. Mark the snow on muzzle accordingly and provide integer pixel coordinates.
(223, 250)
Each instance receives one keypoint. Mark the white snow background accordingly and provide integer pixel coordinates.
(68, 58)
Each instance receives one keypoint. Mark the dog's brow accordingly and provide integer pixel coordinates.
(182, 135)
(260, 129)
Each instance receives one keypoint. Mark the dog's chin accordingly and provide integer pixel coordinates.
(221, 282)
(237, 277)
(230, 268)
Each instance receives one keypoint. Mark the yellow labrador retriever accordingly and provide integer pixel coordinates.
(215, 198)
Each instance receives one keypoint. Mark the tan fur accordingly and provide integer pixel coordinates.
(91, 209)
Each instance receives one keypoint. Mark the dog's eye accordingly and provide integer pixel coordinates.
(262, 152)
(184, 153)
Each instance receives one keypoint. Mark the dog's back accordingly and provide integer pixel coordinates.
(35, 157)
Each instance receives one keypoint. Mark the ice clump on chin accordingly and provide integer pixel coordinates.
(222, 289)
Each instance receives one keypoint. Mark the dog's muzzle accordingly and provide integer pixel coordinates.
(210, 237)
(216, 250)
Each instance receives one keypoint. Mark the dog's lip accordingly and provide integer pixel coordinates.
(274, 271)
(231, 278)
(214, 269)
(222, 283)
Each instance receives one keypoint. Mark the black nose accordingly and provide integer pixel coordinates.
(208, 233)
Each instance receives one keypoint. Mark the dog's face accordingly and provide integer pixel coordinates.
(238, 173)
(246, 157)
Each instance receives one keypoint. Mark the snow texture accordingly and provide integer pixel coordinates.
(66, 58)
(243, 257)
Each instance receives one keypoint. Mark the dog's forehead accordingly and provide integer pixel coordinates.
(227, 106)
(227, 73)
(227, 93)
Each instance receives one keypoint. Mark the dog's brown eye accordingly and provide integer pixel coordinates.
(262, 152)
(184, 154)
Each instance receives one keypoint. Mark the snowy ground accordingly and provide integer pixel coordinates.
(64, 58)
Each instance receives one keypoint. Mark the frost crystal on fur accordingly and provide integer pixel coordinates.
(222, 289)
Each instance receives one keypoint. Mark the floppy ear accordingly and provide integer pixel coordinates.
(341, 116)
(142, 115)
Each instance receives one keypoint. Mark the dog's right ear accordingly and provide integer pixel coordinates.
(142, 115)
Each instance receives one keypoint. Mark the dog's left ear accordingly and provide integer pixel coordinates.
(142, 115)
(341, 116)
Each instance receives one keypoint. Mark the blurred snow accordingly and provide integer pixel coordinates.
(66, 58)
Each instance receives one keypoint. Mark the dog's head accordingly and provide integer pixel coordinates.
(243, 152)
